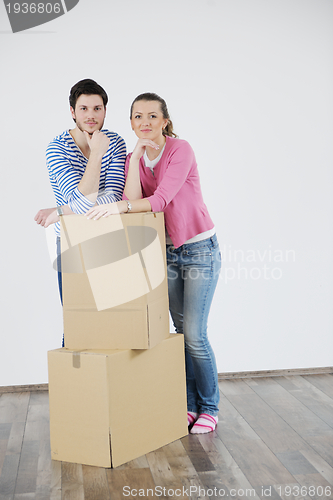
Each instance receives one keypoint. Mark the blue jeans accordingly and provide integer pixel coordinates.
(193, 272)
(59, 278)
(59, 267)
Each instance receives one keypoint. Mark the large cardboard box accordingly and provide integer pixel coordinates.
(110, 407)
(115, 292)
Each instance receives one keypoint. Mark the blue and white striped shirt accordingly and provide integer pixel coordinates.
(66, 165)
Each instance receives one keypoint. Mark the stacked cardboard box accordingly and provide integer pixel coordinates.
(117, 389)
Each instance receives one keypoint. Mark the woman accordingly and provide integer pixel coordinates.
(162, 175)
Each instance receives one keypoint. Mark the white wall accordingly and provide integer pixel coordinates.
(249, 85)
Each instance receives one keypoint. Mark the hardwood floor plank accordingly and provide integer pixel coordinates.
(38, 413)
(267, 424)
(257, 461)
(298, 416)
(316, 482)
(322, 382)
(319, 464)
(9, 475)
(231, 420)
(44, 471)
(233, 387)
(27, 471)
(14, 407)
(117, 481)
(296, 463)
(179, 461)
(72, 481)
(3, 451)
(34, 431)
(137, 463)
(183, 468)
(162, 473)
(5, 431)
(323, 445)
(95, 483)
(123, 481)
(39, 398)
(25, 496)
(15, 440)
(309, 395)
(309, 426)
(55, 485)
(174, 449)
(229, 472)
(197, 453)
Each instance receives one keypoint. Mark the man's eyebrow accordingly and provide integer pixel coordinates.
(95, 106)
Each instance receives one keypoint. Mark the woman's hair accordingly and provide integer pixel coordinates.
(149, 96)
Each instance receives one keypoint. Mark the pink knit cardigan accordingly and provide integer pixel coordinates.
(174, 188)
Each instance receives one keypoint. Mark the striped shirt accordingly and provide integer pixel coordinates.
(66, 165)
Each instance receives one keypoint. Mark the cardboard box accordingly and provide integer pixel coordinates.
(110, 407)
(115, 293)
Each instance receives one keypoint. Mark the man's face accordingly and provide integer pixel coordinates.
(89, 113)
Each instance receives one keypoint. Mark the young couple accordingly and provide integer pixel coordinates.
(88, 176)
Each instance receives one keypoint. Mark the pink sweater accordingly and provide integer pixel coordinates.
(174, 189)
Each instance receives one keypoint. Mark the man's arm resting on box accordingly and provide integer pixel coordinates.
(47, 216)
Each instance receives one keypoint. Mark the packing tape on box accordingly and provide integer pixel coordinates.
(76, 359)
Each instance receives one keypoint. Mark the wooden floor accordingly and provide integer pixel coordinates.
(274, 440)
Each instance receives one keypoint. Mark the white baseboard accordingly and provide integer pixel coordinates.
(221, 376)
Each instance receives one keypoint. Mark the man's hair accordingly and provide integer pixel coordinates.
(87, 87)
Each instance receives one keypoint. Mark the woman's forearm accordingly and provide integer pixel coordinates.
(132, 189)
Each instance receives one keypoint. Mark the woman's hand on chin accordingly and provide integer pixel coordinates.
(107, 209)
(141, 146)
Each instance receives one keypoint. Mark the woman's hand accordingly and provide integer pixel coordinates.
(107, 209)
(141, 146)
(46, 216)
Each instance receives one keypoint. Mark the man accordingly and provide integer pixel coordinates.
(85, 164)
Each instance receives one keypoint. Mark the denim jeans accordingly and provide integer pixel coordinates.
(59, 267)
(193, 272)
(59, 277)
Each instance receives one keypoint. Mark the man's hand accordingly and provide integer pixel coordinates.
(46, 216)
(97, 142)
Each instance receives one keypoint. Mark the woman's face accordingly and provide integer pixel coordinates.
(147, 120)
